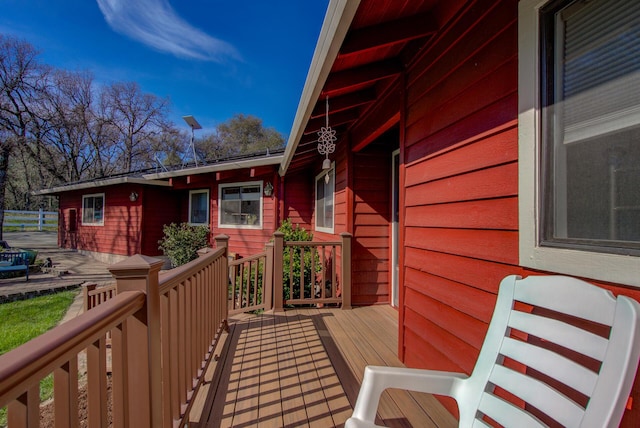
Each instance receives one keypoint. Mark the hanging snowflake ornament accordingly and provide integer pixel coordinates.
(326, 140)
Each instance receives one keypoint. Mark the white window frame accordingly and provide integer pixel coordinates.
(93, 195)
(205, 191)
(321, 176)
(622, 269)
(241, 226)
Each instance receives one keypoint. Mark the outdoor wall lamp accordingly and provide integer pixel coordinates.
(268, 189)
(133, 196)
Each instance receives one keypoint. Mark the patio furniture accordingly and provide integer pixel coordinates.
(554, 312)
(14, 261)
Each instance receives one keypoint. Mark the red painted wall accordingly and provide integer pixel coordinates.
(121, 232)
(298, 203)
(371, 229)
(243, 242)
(460, 157)
(162, 206)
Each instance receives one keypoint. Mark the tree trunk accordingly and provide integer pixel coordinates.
(5, 151)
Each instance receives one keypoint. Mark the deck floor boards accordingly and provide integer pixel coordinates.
(303, 368)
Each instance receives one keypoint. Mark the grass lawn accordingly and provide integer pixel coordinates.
(26, 319)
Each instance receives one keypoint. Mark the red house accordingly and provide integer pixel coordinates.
(475, 139)
(120, 216)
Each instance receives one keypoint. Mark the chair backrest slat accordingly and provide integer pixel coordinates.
(538, 394)
(506, 413)
(568, 296)
(560, 333)
(570, 373)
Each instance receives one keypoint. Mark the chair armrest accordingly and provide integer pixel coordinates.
(377, 379)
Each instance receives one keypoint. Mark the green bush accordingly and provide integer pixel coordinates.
(297, 233)
(182, 241)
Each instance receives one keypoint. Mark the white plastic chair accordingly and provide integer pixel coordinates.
(607, 390)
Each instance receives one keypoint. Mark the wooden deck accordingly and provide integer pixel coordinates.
(303, 368)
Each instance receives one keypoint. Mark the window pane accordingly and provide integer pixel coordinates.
(328, 202)
(199, 208)
(324, 200)
(251, 193)
(592, 124)
(241, 206)
(230, 212)
(98, 208)
(92, 209)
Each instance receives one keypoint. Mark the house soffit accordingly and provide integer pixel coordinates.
(370, 59)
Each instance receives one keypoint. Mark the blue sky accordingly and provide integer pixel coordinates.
(212, 58)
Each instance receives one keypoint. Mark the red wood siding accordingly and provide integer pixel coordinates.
(371, 229)
(121, 232)
(460, 195)
(461, 189)
(161, 207)
(298, 199)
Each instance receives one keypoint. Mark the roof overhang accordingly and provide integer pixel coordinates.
(223, 166)
(100, 183)
(337, 20)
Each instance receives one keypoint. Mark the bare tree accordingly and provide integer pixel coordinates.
(138, 118)
(22, 79)
(62, 145)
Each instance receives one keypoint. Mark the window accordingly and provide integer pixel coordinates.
(325, 188)
(199, 207)
(241, 205)
(93, 210)
(579, 137)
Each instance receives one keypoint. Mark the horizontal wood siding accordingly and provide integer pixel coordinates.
(371, 230)
(461, 178)
(162, 206)
(121, 232)
(298, 199)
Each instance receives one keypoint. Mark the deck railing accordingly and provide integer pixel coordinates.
(315, 274)
(163, 333)
(94, 295)
(251, 282)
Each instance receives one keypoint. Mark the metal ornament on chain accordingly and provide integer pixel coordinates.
(326, 140)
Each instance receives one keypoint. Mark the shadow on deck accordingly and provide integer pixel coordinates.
(303, 368)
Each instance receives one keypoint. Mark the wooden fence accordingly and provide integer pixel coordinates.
(314, 274)
(251, 282)
(286, 273)
(164, 329)
(32, 219)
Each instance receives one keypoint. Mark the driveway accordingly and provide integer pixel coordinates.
(71, 269)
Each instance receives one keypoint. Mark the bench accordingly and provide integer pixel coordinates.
(14, 261)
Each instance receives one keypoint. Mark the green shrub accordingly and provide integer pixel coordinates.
(297, 233)
(182, 241)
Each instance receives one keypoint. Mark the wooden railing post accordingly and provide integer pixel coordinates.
(278, 292)
(222, 241)
(137, 388)
(346, 270)
(267, 283)
(86, 288)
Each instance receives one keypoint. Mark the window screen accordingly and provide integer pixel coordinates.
(591, 124)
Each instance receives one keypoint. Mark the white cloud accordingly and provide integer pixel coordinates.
(156, 24)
